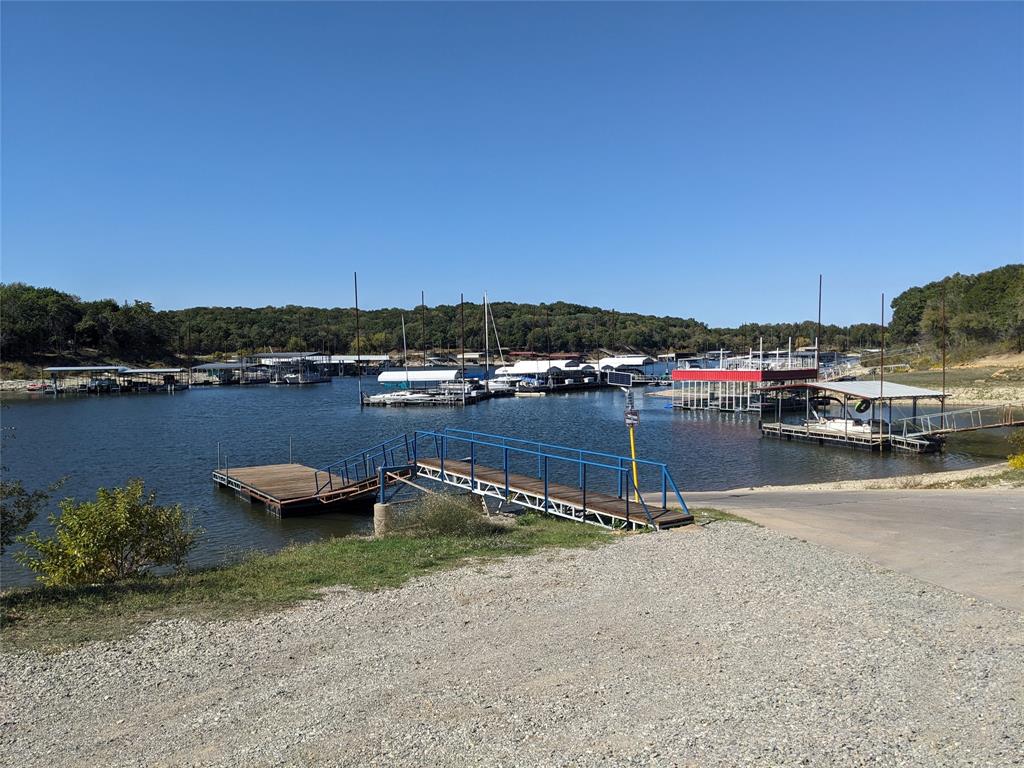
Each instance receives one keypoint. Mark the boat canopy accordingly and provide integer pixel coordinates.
(623, 361)
(231, 365)
(154, 371)
(85, 368)
(418, 375)
(535, 367)
(868, 390)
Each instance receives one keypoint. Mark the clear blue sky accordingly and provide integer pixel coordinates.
(703, 160)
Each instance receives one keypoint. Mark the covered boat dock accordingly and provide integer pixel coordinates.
(873, 422)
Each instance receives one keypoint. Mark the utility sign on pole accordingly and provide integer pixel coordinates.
(632, 420)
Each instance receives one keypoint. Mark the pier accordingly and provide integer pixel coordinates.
(584, 486)
(288, 489)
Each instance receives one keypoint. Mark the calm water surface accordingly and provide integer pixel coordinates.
(171, 442)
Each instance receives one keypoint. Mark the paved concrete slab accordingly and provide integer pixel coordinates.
(970, 541)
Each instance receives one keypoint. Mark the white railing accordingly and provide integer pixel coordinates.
(963, 420)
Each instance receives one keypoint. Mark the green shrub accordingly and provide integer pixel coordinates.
(445, 514)
(122, 534)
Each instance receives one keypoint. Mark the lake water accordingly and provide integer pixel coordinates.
(170, 440)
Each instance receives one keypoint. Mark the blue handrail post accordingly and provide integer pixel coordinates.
(442, 451)
(620, 478)
(628, 494)
(664, 488)
(472, 466)
(545, 484)
(415, 454)
(407, 455)
(538, 463)
(382, 473)
(583, 471)
(507, 494)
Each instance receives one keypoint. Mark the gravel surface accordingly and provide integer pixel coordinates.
(727, 645)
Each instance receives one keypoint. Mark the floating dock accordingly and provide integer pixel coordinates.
(290, 489)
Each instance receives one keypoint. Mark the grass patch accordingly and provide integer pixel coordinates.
(50, 619)
(706, 515)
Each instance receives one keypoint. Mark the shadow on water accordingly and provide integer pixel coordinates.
(171, 441)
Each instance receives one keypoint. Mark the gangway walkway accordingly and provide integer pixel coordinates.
(915, 431)
(585, 486)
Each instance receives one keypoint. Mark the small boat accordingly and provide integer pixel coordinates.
(841, 426)
(38, 386)
(305, 377)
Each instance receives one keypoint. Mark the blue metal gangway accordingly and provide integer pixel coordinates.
(586, 486)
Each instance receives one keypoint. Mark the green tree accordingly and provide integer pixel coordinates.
(123, 533)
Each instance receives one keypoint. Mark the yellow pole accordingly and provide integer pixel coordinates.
(632, 453)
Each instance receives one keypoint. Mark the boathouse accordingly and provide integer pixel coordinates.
(733, 389)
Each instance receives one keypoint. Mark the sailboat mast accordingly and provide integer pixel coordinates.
(462, 342)
(817, 337)
(487, 349)
(359, 370)
(405, 353)
(497, 341)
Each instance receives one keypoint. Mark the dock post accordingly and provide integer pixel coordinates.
(381, 518)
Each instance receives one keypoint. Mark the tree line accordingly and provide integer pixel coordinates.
(988, 307)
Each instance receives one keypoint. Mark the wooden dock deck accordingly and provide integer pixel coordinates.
(569, 499)
(287, 489)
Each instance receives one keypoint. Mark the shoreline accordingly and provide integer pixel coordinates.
(919, 481)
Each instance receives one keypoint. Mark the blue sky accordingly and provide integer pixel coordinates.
(704, 160)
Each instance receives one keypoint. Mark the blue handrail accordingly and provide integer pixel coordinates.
(453, 430)
(371, 463)
(623, 465)
(363, 464)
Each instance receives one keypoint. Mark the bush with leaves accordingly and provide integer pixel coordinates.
(122, 534)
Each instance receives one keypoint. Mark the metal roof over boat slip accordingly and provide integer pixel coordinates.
(416, 374)
(868, 390)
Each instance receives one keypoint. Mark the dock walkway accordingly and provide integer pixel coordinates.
(569, 501)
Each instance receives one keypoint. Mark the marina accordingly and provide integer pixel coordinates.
(172, 441)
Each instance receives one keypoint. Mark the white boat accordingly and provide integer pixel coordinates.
(502, 384)
(840, 425)
(305, 377)
(402, 397)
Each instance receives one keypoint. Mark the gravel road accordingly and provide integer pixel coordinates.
(727, 645)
